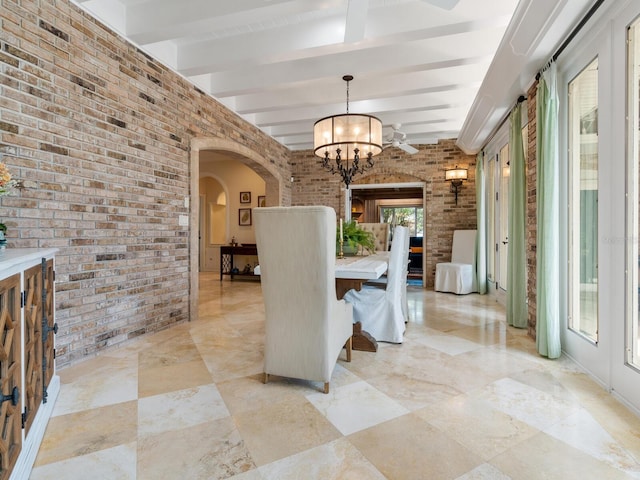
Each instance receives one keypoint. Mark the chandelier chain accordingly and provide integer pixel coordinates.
(347, 97)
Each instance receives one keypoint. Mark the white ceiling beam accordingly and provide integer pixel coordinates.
(273, 101)
(176, 19)
(315, 40)
(356, 20)
(280, 75)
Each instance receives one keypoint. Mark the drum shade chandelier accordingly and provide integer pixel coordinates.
(340, 140)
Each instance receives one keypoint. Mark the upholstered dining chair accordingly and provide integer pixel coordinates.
(459, 275)
(380, 233)
(382, 311)
(306, 325)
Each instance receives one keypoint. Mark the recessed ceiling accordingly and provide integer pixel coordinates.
(279, 63)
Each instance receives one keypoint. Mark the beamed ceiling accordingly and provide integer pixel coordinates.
(438, 68)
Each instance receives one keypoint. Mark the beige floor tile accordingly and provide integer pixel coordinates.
(172, 377)
(89, 431)
(356, 406)
(526, 403)
(583, 433)
(208, 451)
(171, 351)
(409, 448)
(484, 472)
(549, 458)
(283, 429)
(107, 381)
(117, 463)
(488, 334)
(478, 426)
(234, 361)
(337, 460)
(413, 393)
(180, 409)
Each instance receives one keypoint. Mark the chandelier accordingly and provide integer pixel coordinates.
(341, 140)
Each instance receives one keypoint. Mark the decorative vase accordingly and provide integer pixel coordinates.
(347, 250)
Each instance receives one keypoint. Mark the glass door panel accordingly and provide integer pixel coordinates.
(633, 207)
(503, 245)
(583, 203)
(491, 219)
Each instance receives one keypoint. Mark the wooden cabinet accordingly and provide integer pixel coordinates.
(28, 382)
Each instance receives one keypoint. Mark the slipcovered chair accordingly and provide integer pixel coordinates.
(382, 311)
(306, 326)
(459, 275)
(380, 234)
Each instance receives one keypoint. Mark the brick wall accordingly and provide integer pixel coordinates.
(312, 185)
(532, 218)
(101, 133)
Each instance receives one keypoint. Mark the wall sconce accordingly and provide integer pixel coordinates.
(455, 176)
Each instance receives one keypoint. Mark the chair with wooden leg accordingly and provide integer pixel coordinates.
(306, 327)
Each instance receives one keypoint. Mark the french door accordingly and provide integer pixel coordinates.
(497, 201)
(600, 82)
(626, 374)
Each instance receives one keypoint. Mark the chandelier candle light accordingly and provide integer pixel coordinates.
(340, 140)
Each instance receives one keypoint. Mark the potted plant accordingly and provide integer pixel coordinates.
(354, 238)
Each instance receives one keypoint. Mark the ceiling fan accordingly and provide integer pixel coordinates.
(399, 139)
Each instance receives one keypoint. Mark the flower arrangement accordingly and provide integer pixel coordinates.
(7, 183)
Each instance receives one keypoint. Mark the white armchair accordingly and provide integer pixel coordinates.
(459, 275)
(306, 326)
(382, 311)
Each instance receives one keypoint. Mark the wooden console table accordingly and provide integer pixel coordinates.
(226, 260)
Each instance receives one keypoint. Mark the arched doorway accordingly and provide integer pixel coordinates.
(274, 186)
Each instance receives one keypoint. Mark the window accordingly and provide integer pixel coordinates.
(412, 217)
(583, 203)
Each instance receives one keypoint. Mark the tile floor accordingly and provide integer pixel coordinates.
(465, 397)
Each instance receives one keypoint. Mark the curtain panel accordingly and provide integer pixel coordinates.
(548, 222)
(517, 312)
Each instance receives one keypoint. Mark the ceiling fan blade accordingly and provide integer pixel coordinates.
(408, 148)
(356, 20)
(445, 4)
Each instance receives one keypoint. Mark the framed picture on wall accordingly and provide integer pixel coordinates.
(262, 202)
(244, 216)
(245, 197)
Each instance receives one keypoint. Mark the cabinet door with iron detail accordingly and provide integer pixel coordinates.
(32, 344)
(10, 375)
(48, 322)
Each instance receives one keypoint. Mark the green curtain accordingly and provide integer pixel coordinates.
(517, 312)
(548, 225)
(481, 236)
